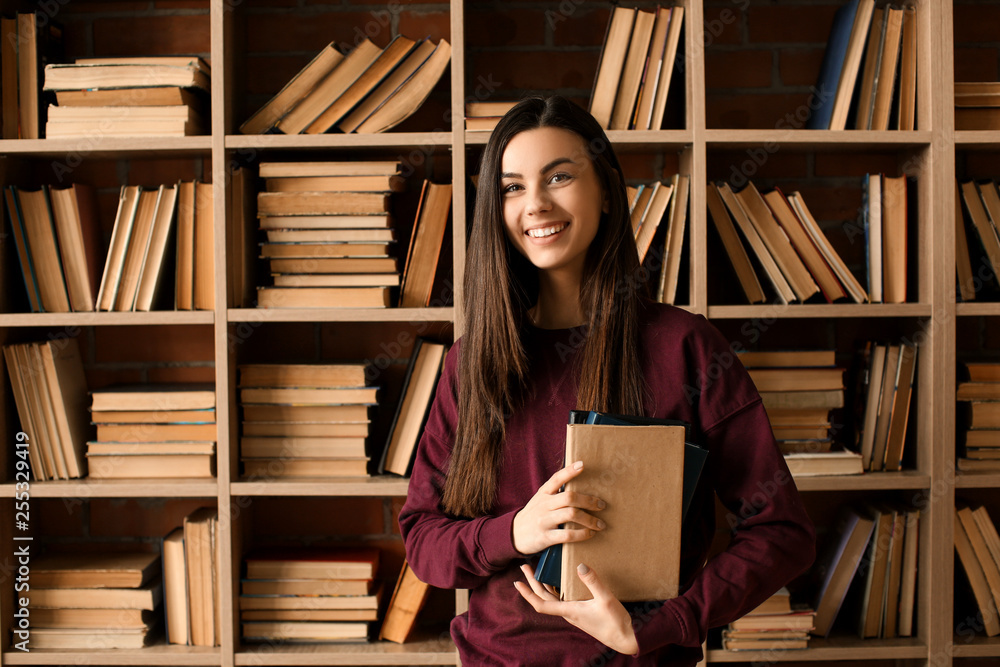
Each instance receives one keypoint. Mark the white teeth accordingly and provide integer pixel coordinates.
(546, 231)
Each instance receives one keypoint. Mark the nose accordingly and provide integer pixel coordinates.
(538, 201)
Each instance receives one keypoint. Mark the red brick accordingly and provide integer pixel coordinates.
(981, 164)
(296, 32)
(104, 377)
(161, 35)
(723, 25)
(164, 171)
(147, 517)
(505, 27)
(976, 64)
(181, 4)
(835, 207)
(968, 334)
(536, 70)
(310, 519)
(585, 25)
(269, 343)
(376, 341)
(83, 168)
(755, 162)
(104, 7)
(266, 74)
(789, 24)
(434, 25)
(976, 23)
(767, 111)
(76, 43)
(154, 344)
(855, 164)
(60, 517)
(799, 67)
(182, 374)
(738, 69)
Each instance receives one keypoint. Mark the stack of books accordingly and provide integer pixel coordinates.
(58, 239)
(142, 244)
(30, 41)
(888, 373)
(788, 246)
(981, 394)
(95, 600)
(982, 206)
(192, 580)
(367, 90)
(978, 546)
(50, 392)
(879, 46)
(304, 420)
(155, 96)
(648, 206)
(328, 233)
(977, 105)
(772, 626)
(636, 68)
(484, 116)
(153, 431)
(800, 389)
(315, 595)
(885, 538)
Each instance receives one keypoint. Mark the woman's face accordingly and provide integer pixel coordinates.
(552, 198)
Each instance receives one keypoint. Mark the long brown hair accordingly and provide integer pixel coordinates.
(500, 286)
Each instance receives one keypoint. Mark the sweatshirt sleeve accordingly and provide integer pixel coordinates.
(442, 550)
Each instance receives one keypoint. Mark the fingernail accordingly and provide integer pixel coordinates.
(578, 465)
(601, 504)
(600, 524)
(582, 568)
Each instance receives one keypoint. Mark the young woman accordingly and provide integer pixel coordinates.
(555, 320)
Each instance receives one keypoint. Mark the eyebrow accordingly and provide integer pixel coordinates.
(558, 161)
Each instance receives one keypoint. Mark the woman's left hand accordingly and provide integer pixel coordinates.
(602, 617)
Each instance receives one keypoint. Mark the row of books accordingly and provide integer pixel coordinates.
(775, 625)
(883, 409)
(978, 547)
(981, 211)
(869, 572)
(868, 78)
(153, 431)
(192, 580)
(977, 105)
(368, 90)
(636, 68)
(792, 252)
(304, 420)
(128, 97)
(980, 396)
(649, 206)
(30, 41)
(484, 116)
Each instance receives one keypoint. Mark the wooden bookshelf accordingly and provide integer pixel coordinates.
(704, 135)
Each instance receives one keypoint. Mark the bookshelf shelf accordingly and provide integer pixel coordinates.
(123, 488)
(977, 480)
(155, 317)
(437, 139)
(157, 654)
(977, 647)
(974, 309)
(438, 651)
(875, 481)
(341, 314)
(977, 139)
(833, 649)
(109, 147)
(378, 485)
(848, 140)
(821, 310)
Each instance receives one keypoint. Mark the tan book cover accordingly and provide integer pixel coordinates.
(639, 472)
(407, 600)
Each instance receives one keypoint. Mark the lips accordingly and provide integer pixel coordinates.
(546, 232)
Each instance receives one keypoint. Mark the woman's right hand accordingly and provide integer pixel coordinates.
(536, 526)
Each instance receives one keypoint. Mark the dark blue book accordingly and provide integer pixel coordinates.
(549, 567)
(821, 110)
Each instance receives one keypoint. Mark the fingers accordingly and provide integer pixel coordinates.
(573, 515)
(560, 477)
(536, 587)
(592, 582)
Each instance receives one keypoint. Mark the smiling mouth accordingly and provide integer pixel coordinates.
(546, 231)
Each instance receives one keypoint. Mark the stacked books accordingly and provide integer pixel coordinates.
(800, 389)
(978, 546)
(142, 243)
(98, 600)
(885, 538)
(192, 580)
(886, 379)
(788, 246)
(57, 236)
(328, 233)
(316, 595)
(484, 116)
(981, 394)
(879, 45)
(153, 431)
(50, 392)
(648, 205)
(367, 90)
(30, 41)
(157, 96)
(977, 105)
(304, 420)
(982, 206)
(636, 68)
(774, 625)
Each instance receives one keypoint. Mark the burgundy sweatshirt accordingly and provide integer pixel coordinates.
(691, 374)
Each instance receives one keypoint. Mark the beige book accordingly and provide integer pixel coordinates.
(47, 424)
(654, 64)
(151, 274)
(609, 72)
(337, 168)
(407, 600)
(42, 244)
(976, 576)
(135, 253)
(314, 448)
(374, 183)
(204, 248)
(667, 68)
(737, 254)
(128, 569)
(175, 588)
(302, 375)
(184, 271)
(638, 472)
(632, 71)
(417, 396)
(674, 243)
(424, 252)
(67, 386)
(145, 597)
